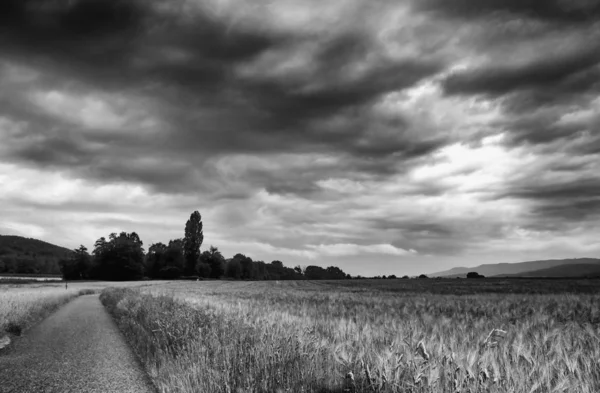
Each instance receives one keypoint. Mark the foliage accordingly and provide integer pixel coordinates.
(318, 273)
(165, 262)
(78, 266)
(120, 258)
(215, 262)
(203, 269)
(233, 269)
(474, 275)
(243, 267)
(19, 255)
(192, 241)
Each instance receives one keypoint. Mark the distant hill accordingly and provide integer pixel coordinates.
(517, 269)
(567, 270)
(30, 256)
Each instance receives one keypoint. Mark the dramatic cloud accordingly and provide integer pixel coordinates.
(387, 137)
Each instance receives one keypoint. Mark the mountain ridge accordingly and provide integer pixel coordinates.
(566, 270)
(515, 269)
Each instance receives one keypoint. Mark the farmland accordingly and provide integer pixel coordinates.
(23, 305)
(367, 335)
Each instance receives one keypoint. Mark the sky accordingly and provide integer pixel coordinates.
(383, 137)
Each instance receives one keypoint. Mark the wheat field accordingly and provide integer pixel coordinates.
(23, 305)
(301, 336)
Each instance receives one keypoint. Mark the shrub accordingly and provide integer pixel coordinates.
(13, 328)
(474, 275)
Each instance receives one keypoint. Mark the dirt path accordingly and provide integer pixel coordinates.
(76, 349)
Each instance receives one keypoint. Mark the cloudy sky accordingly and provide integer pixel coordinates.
(379, 136)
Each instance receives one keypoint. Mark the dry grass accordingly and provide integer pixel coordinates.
(23, 305)
(323, 337)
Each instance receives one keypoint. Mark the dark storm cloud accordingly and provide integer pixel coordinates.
(412, 229)
(568, 190)
(542, 128)
(561, 192)
(560, 206)
(123, 43)
(186, 65)
(559, 11)
(538, 54)
(573, 72)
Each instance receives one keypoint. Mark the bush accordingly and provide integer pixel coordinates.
(169, 273)
(474, 275)
(13, 328)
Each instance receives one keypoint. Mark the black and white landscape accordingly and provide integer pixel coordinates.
(267, 196)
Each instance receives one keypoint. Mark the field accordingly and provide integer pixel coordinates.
(24, 304)
(365, 336)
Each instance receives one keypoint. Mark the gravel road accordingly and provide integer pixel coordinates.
(77, 349)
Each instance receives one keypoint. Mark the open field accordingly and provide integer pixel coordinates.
(22, 305)
(379, 335)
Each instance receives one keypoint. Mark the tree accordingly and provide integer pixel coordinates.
(203, 269)
(233, 269)
(260, 270)
(474, 275)
(335, 273)
(423, 276)
(10, 265)
(165, 262)
(318, 273)
(215, 261)
(275, 270)
(247, 266)
(192, 241)
(26, 266)
(174, 257)
(78, 266)
(155, 259)
(120, 258)
(313, 272)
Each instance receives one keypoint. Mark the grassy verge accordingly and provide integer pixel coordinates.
(22, 306)
(199, 349)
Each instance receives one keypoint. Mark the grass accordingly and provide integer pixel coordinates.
(362, 337)
(22, 305)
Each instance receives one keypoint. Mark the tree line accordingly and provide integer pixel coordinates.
(122, 257)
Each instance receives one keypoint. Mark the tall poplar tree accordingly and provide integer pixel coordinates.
(192, 242)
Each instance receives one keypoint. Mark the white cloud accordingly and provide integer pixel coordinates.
(355, 249)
